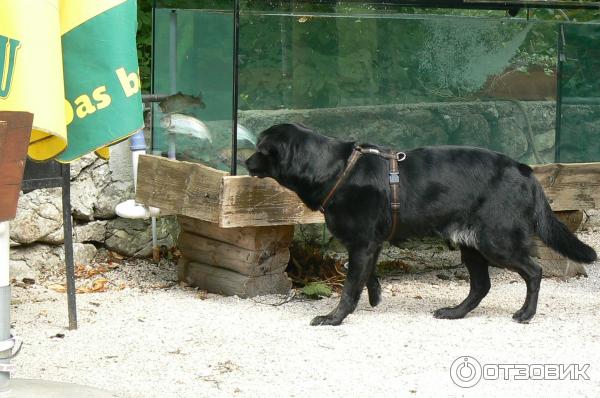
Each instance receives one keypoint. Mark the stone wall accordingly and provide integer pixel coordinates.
(524, 130)
(97, 186)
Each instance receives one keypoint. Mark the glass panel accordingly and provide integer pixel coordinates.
(371, 72)
(197, 122)
(402, 80)
(579, 131)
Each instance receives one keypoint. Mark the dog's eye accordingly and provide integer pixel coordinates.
(268, 152)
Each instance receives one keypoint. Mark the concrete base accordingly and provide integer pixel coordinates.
(26, 388)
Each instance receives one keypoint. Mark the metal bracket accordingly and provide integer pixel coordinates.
(394, 178)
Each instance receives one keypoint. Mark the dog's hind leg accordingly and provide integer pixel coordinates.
(532, 274)
(477, 266)
(373, 286)
(360, 269)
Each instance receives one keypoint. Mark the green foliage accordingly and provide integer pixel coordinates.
(311, 61)
(144, 42)
(316, 290)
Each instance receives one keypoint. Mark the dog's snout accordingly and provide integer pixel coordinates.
(254, 164)
(251, 162)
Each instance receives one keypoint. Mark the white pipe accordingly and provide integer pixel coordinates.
(135, 155)
(4, 250)
(130, 208)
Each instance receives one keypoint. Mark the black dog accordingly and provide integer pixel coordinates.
(481, 201)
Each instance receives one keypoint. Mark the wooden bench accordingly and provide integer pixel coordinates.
(236, 230)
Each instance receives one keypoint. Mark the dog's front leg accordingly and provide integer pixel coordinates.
(361, 265)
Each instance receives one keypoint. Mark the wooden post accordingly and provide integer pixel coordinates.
(246, 261)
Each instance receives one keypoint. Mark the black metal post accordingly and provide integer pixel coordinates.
(234, 115)
(68, 231)
(559, 72)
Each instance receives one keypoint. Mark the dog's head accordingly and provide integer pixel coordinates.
(299, 159)
(275, 151)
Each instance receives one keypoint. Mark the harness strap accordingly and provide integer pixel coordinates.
(349, 166)
(395, 199)
(394, 158)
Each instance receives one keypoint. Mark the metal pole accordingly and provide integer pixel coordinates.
(68, 232)
(234, 112)
(172, 151)
(4, 307)
(559, 70)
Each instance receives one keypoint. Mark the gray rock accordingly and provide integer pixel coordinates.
(451, 121)
(45, 260)
(48, 261)
(80, 164)
(84, 195)
(113, 194)
(83, 253)
(592, 222)
(545, 141)
(473, 130)
(133, 238)
(57, 237)
(39, 214)
(19, 270)
(509, 138)
(94, 231)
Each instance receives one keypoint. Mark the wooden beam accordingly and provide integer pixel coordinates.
(573, 186)
(243, 261)
(229, 283)
(198, 191)
(260, 202)
(250, 238)
(186, 188)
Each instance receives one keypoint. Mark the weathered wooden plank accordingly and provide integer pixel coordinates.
(185, 188)
(219, 254)
(251, 238)
(198, 191)
(260, 202)
(230, 283)
(573, 186)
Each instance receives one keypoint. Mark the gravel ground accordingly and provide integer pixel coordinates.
(146, 336)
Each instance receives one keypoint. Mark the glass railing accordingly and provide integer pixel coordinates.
(364, 71)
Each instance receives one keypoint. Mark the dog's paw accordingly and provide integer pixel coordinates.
(449, 313)
(374, 297)
(523, 316)
(324, 320)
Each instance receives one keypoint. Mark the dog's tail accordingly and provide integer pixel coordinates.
(556, 235)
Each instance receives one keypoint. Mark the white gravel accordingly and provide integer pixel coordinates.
(156, 339)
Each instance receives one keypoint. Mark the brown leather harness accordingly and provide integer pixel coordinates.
(394, 158)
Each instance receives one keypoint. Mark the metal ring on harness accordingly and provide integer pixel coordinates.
(400, 156)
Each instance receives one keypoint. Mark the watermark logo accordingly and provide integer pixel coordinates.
(466, 371)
